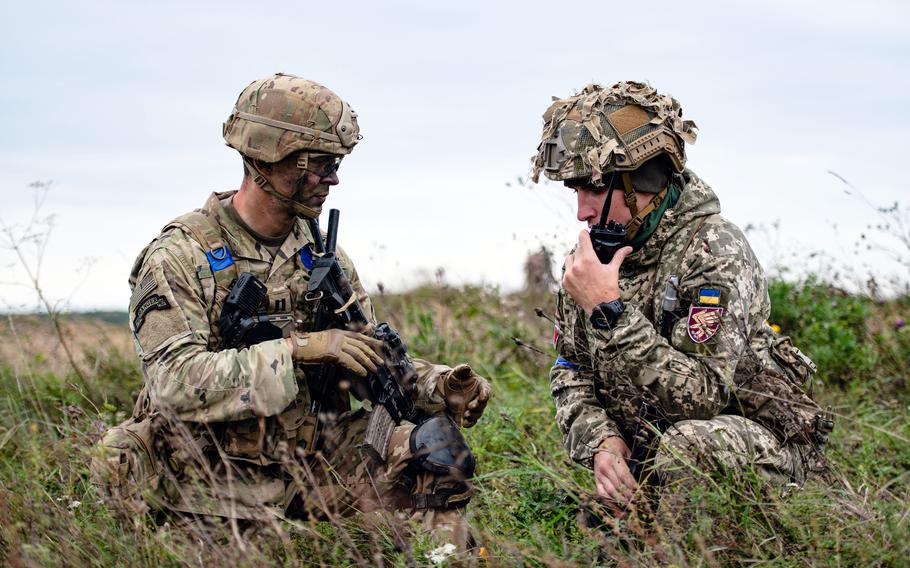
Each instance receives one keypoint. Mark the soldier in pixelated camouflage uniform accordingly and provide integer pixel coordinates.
(666, 361)
(245, 433)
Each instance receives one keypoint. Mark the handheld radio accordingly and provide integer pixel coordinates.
(607, 238)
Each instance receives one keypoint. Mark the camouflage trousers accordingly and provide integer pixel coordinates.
(725, 442)
(691, 449)
(337, 480)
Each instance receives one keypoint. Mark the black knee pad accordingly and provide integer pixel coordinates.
(439, 447)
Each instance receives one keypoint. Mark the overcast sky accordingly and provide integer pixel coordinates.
(121, 105)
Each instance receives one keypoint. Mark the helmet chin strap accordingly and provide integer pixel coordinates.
(638, 217)
(266, 186)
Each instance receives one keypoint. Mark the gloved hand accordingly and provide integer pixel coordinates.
(356, 352)
(466, 394)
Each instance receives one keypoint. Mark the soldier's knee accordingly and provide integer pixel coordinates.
(439, 449)
(682, 436)
(679, 446)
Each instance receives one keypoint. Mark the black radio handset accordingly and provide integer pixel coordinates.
(607, 238)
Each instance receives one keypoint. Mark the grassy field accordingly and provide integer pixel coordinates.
(533, 507)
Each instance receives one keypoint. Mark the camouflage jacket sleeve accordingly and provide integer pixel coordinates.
(169, 320)
(685, 378)
(582, 419)
(429, 399)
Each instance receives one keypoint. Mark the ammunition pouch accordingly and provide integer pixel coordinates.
(263, 441)
(794, 364)
(776, 401)
(244, 438)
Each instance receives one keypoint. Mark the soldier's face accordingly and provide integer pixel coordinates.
(304, 186)
(592, 199)
(312, 190)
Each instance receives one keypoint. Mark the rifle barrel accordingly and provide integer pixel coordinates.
(331, 235)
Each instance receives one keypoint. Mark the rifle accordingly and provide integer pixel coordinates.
(242, 324)
(392, 385)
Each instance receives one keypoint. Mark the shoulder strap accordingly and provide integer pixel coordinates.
(204, 231)
(207, 233)
(202, 227)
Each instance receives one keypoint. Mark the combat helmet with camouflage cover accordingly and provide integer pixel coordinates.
(611, 130)
(615, 131)
(282, 114)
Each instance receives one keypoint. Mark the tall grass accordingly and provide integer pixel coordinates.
(533, 507)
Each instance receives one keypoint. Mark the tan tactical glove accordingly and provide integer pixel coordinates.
(356, 352)
(466, 394)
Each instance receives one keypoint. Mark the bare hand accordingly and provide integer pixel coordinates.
(587, 280)
(612, 476)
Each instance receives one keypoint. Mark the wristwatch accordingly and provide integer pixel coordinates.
(605, 315)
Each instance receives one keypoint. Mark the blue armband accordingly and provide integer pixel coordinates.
(560, 362)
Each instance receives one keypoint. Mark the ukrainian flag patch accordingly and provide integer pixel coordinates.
(709, 296)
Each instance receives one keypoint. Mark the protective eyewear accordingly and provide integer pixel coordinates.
(321, 165)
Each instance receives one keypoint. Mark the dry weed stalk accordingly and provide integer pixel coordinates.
(36, 233)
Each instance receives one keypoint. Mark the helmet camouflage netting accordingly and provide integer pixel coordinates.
(617, 129)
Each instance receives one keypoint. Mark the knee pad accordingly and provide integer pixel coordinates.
(439, 447)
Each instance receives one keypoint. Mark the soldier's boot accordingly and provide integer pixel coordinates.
(125, 472)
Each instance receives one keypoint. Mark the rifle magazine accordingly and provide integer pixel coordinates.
(379, 433)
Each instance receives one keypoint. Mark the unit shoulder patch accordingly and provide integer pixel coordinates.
(703, 323)
(153, 302)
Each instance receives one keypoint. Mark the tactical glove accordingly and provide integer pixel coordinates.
(466, 394)
(356, 352)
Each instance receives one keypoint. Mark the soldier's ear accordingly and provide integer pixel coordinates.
(264, 167)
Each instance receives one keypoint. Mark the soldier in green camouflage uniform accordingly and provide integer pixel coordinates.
(666, 357)
(246, 433)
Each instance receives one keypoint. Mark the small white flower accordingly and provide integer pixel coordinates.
(75, 504)
(439, 555)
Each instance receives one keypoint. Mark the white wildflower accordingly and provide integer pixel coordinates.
(439, 555)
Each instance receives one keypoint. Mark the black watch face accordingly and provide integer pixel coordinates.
(605, 315)
(599, 319)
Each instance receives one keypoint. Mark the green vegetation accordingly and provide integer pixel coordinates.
(533, 507)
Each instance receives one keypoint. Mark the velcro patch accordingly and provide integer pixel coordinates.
(628, 118)
(153, 302)
(709, 296)
(703, 323)
(147, 285)
(306, 258)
